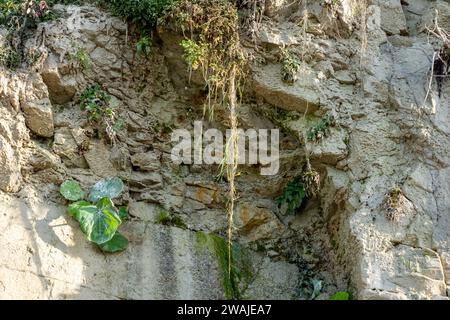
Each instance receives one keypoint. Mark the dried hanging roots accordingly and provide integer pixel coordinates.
(211, 27)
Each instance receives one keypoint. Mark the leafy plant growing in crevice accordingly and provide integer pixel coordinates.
(97, 104)
(300, 188)
(9, 57)
(144, 45)
(80, 58)
(321, 129)
(293, 195)
(235, 282)
(97, 215)
(290, 66)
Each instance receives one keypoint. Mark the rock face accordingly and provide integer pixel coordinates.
(46, 255)
(379, 226)
(163, 262)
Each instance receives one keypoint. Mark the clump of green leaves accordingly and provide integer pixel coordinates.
(321, 129)
(214, 46)
(342, 295)
(81, 58)
(97, 215)
(8, 9)
(23, 13)
(168, 219)
(293, 195)
(144, 45)
(9, 57)
(193, 53)
(97, 104)
(290, 66)
(241, 268)
(143, 12)
(18, 16)
(298, 189)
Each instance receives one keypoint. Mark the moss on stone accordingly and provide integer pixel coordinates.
(241, 269)
(167, 219)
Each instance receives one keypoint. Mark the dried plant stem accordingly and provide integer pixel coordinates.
(232, 164)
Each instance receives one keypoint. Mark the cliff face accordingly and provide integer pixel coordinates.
(379, 228)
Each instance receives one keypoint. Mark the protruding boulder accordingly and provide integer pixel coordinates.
(301, 96)
(39, 117)
(61, 89)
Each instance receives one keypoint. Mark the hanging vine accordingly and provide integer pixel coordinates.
(212, 46)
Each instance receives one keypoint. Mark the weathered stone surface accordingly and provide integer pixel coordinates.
(267, 83)
(61, 89)
(276, 280)
(330, 149)
(65, 146)
(142, 181)
(42, 159)
(256, 223)
(98, 158)
(345, 77)
(392, 17)
(10, 177)
(206, 195)
(160, 263)
(146, 161)
(274, 7)
(39, 117)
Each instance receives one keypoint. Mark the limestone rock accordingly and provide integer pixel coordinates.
(61, 88)
(277, 280)
(345, 77)
(10, 177)
(392, 17)
(273, 36)
(42, 159)
(279, 7)
(98, 161)
(142, 181)
(146, 161)
(145, 211)
(67, 148)
(257, 223)
(267, 83)
(39, 117)
(203, 194)
(331, 149)
(415, 268)
(120, 157)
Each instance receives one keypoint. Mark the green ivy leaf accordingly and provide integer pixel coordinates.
(71, 190)
(340, 296)
(116, 244)
(74, 208)
(99, 223)
(106, 188)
